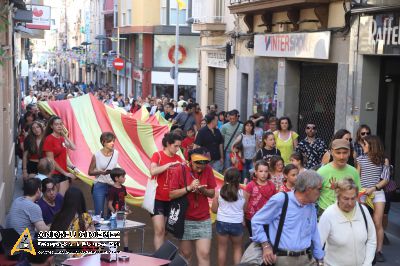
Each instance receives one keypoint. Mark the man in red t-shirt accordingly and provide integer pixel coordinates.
(160, 168)
(200, 186)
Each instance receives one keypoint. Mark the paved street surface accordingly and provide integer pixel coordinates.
(391, 252)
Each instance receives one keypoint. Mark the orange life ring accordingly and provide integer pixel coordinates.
(171, 54)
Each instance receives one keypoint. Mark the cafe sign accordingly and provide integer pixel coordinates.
(379, 34)
(313, 45)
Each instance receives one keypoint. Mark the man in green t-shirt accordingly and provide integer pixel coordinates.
(335, 171)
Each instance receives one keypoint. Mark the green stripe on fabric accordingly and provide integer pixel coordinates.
(146, 138)
(123, 138)
(86, 118)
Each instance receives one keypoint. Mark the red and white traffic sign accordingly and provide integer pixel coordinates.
(118, 63)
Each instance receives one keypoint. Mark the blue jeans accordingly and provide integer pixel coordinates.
(100, 192)
(248, 164)
(227, 162)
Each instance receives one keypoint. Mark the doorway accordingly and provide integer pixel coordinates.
(389, 110)
(244, 97)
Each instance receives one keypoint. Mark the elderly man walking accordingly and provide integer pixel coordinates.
(291, 237)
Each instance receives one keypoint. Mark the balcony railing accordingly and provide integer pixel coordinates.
(209, 20)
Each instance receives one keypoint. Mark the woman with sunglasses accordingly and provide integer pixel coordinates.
(200, 187)
(362, 132)
(340, 134)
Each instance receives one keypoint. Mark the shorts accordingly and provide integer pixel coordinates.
(231, 229)
(195, 230)
(161, 208)
(31, 167)
(379, 196)
(58, 178)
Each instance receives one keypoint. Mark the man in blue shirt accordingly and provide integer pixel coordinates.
(300, 240)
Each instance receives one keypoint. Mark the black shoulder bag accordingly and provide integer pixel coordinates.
(177, 209)
(184, 123)
(280, 226)
(233, 135)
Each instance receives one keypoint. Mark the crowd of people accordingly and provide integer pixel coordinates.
(293, 196)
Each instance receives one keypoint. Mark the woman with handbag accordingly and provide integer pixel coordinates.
(374, 175)
(196, 183)
(102, 162)
(160, 165)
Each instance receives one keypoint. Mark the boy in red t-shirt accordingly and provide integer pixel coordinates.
(116, 197)
(187, 143)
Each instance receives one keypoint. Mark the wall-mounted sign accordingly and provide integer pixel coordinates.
(41, 16)
(314, 45)
(216, 59)
(380, 34)
(137, 74)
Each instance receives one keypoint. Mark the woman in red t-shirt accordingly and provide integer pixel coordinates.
(161, 162)
(54, 146)
(30, 159)
(200, 186)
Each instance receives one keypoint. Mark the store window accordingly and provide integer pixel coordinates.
(265, 87)
(138, 89)
(168, 90)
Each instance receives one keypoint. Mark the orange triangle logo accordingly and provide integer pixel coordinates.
(24, 243)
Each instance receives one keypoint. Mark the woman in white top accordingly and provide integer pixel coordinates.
(347, 230)
(250, 144)
(228, 204)
(102, 162)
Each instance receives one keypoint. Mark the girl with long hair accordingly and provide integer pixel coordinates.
(290, 173)
(160, 168)
(250, 143)
(268, 147)
(374, 175)
(362, 132)
(32, 153)
(228, 204)
(258, 192)
(54, 146)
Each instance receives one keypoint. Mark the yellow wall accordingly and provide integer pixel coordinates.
(145, 12)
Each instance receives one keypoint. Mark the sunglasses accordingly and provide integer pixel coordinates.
(365, 133)
(310, 127)
(204, 162)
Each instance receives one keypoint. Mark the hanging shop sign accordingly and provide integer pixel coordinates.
(216, 59)
(380, 34)
(41, 17)
(313, 45)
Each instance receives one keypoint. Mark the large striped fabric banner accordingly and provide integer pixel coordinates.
(138, 135)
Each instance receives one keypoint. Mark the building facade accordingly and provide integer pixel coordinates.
(291, 59)
(374, 72)
(148, 29)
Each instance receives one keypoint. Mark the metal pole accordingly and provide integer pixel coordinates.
(176, 55)
(117, 53)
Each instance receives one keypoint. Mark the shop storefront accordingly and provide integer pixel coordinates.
(216, 62)
(377, 63)
(296, 76)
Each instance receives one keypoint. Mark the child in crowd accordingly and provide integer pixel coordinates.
(268, 148)
(116, 197)
(258, 192)
(187, 143)
(298, 160)
(236, 156)
(276, 165)
(290, 173)
(228, 204)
